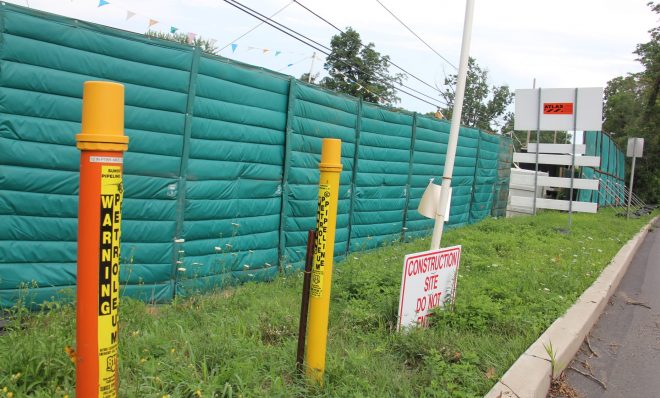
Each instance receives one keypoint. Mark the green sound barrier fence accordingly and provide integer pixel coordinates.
(222, 169)
(611, 172)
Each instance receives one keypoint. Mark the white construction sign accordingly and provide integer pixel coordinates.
(428, 281)
(555, 109)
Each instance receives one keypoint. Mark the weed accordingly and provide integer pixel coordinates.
(554, 365)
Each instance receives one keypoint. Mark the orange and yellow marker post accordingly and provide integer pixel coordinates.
(326, 221)
(102, 143)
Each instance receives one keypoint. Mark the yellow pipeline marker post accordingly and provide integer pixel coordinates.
(326, 220)
(102, 144)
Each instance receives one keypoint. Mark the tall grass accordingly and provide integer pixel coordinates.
(516, 277)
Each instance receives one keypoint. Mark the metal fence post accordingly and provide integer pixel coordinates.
(354, 173)
(183, 168)
(286, 166)
(413, 138)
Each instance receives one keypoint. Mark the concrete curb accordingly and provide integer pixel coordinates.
(529, 376)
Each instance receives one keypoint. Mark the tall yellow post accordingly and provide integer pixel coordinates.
(326, 220)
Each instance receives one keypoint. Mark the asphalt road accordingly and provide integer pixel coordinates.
(626, 339)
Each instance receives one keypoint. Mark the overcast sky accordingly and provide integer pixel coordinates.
(562, 43)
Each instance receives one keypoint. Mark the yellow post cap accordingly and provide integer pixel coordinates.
(331, 155)
(102, 117)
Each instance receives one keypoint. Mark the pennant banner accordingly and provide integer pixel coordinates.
(192, 37)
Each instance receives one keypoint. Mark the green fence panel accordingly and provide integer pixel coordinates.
(381, 179)
(486, 177)
(501, 188)
(44, 60)
(588, 195)
(429, 151)
(428, 162)
(318, 114)
(463, 178)
(221, 175)
(610, 173)
(233, 187)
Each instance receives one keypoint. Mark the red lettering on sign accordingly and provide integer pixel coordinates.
(557, 108)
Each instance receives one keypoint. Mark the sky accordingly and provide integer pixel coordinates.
(562, 43)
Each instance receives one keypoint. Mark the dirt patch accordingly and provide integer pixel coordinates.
(561, 389)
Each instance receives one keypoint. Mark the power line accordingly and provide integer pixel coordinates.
(319, 47)
(318, 16)
(281, 27)
(297, 62)
(416, 35)
(360, 86)
(341, 31)
(255, 27)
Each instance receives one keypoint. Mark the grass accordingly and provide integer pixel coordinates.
(516, 277)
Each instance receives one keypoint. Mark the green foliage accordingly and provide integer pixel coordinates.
(552, 357)
(516, 277)
(305, 77)
(632, 109)
(207, 46)
(359, 70)
(484, 107)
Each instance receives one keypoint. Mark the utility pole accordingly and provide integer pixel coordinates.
(311, 68)
(455, 126)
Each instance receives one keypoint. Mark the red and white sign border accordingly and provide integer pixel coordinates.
(405, 274)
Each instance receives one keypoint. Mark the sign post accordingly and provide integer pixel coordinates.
(634, 150)
(324, 248)
(569, 110)
(428, 281)
(304, 303)
(102, 144)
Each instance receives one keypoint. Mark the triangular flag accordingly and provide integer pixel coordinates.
(129, 15)
(152, 22)
(265, 50)
(233, 47)
(173, 29)
(191, 37)
(250, 48)
(103, 2)
(278, 53)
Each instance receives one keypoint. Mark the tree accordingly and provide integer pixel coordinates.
(484, 107)
(307, 79)
(632, 109)
(360, 70)
(207, 46)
